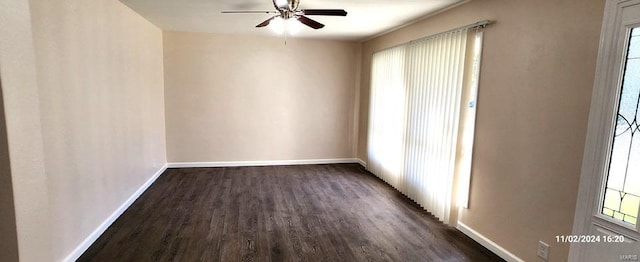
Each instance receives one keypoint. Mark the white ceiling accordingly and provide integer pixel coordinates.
(365, 18)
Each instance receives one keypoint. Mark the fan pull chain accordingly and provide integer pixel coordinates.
(285, 32)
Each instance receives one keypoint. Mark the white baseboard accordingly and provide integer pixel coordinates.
(361, 162)
(263, 163)
(76, 253)
(482, 240)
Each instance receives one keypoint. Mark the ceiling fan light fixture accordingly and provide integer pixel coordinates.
(277, 25)
(281, 26)
(293, 26)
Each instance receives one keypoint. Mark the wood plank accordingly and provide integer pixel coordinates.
(279, 213)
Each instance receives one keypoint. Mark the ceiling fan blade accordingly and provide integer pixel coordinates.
(249, 12)
(333, 12)
(309, 22)
(266, 22)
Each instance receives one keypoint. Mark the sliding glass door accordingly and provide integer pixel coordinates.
(415, 116)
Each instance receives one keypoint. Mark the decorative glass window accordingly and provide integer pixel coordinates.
(622, 192)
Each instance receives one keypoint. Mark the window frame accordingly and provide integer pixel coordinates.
(612, 55)
(611, 126)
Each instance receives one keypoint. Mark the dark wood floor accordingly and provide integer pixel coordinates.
(279, 213)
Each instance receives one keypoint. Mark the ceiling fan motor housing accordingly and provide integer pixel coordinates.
(293, 5)
(286, 5)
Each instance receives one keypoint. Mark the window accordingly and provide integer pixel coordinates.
(622, 189)
(416, 111)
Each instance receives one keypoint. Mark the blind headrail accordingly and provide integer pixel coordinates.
(479, 24)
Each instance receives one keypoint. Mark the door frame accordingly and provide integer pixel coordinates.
(604, 104)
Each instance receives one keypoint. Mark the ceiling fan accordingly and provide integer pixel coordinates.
(287, 9)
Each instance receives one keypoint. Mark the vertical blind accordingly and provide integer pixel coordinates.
(414, 118)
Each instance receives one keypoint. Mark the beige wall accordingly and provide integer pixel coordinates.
(100, 87)
(535, 87)
(246, 98)
(24, 139)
